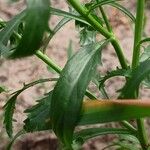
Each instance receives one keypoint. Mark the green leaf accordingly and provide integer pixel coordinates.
(8, 114)
(5, 34)
(70, 50)
(9, 146)
(89, 133)
(36, 24)
(87, 37)
(2, 89)
(137, 76)
(10, 105)
(146, 54)
(114, 73)
(124, 10)
(38, 115)
(70, 89)
(71, 15)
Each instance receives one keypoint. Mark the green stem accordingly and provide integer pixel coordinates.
(105, 19)
(95, 24)
(138, 32)
(53, 65)
(135, 62)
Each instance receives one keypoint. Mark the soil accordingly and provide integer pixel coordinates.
(13, 73)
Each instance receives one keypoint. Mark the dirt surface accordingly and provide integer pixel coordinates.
(13, 73)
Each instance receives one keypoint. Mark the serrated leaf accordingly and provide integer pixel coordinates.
(137, 76)
(38, 115)
(70, 89)
(9, 107)
(8, 114)
(114, 73)
(146, 54)
(87, 37)
(36, 24)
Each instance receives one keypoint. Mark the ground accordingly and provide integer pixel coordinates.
(13, 73)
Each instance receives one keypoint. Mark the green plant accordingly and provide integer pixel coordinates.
(64, 108)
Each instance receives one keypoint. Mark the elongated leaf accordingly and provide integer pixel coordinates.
(138, 75)
(10, 27)
(70, 89)
(89, 133)
(36, 24)
(124, 10)
(107, 111)
(10, 105)
(5, 34)
(116, 5)
(8, 114)
(71, 15)
(38, 116)
(14, 139)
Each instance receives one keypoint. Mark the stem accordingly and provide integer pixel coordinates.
(135, 62)
(95, 24)
(53, 65)
(105, 18)
(138, 32)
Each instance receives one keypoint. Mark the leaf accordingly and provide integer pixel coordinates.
(5, 34)
(146, 54)
(38, 115)
(138, 75)
(2, 89)
(114, 73)
(36, 24)
(87, 37)
(70, 89)
(101, 111)
(124, 10)
(8, 114)
(116, 5)
(9, 146)
(70, 50)
(89, 133)
(71, 15)
(10, 27)
(10, 105)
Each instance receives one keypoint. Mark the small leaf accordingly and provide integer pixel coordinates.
(8, 30)
(2, 89)
(9, 146)
(138, 75)
(8, 114)
(146, 54)
(70, 89)
(114, 73)
(38, 116)
(10, 105)
(36, 24)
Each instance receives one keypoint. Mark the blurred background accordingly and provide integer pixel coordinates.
(13, 73)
